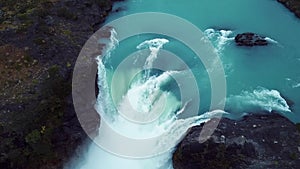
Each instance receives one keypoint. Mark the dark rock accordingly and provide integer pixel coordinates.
(96, 85)
(292, 5)
(267, 141)
(250, 39)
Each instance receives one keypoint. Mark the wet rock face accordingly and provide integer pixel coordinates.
(257, 141)
(250, 39)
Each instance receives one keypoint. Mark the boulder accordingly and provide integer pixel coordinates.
(267, 141)
(250, 39)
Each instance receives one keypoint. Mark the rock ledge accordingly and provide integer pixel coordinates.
(267, 141)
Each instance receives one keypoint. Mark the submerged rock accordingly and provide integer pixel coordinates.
(250, 39)
(267, 141)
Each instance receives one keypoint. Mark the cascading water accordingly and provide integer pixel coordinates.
(273, 67)
(146, 98)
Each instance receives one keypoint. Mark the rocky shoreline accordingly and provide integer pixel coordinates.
(292, 5)
(268, 141)
(39, 43)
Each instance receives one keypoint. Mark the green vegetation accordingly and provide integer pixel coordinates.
(18, 15)
(27, 135)
(35, 79)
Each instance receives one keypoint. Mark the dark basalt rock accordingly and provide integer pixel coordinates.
(250, 39)
(267, 141)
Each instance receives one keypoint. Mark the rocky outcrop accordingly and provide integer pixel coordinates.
(267, 141)
(292, 5)
(39, 44)
(250, 39)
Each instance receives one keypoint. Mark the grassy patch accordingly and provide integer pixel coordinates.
(27, 134)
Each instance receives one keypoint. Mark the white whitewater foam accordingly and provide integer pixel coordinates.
(154, 45)
(219, 37)
(257, 100)
(110, 44)
(296, 85)
(97, 158)
(145, 96)
(270, 40)
(146, 99)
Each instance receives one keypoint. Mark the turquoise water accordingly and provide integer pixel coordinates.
(257, 78)
(275, 67)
